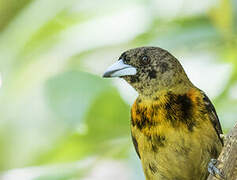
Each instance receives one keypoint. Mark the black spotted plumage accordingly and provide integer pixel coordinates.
(175, 128)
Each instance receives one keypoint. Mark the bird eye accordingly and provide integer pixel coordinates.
(145, 60)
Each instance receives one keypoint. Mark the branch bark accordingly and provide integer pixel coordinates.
(227, 161)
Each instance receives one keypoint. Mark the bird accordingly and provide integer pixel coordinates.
(174, 126)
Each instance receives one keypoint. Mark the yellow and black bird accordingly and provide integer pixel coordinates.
(175, 128)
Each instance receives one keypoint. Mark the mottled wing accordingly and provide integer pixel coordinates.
(213, 116)
(135, 145)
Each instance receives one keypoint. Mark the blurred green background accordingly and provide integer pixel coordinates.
(59, 120)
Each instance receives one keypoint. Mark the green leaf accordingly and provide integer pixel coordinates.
(71, 93)
(107, 133)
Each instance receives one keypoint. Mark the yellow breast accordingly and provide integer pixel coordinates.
(174, 137)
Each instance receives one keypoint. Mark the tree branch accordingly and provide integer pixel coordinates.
(227, 161)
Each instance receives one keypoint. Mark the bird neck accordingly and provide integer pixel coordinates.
(156, 92)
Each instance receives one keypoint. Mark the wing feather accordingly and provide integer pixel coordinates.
(136, 146)
(213, 116)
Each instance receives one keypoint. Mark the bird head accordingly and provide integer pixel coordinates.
(149, 70)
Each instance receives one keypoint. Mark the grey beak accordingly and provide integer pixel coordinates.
(119, 69)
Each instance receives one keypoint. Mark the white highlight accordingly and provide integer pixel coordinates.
(0, 80)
